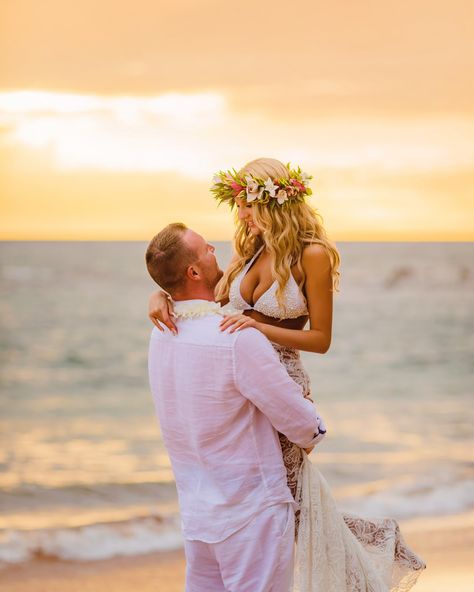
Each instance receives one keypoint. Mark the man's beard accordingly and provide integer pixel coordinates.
(212, 283)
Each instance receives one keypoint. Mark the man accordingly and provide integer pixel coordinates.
(220, 398)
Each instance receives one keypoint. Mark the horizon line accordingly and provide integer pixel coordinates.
(138, 240)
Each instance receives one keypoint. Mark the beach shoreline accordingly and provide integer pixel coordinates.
(445, 543)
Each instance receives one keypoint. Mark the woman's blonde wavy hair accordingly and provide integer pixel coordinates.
(285, 232)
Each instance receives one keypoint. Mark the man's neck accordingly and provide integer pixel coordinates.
(195, 295)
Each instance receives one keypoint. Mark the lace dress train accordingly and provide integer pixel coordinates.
(336, 551)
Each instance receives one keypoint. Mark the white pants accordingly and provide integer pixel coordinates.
(256, 558)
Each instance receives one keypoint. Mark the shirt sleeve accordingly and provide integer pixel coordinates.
(263, 380)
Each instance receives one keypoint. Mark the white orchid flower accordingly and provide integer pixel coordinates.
(282, 196)
(270, 187)
(253, 190)
(305, 177)
(252, 185)
(253, 195)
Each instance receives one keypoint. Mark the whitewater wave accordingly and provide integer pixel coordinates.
(92, 542)
(145, 534)
(408, 500)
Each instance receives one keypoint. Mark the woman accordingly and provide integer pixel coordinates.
(284, 272)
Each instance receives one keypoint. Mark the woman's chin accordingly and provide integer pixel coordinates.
(254, 230)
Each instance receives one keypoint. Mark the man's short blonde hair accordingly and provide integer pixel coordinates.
(168, 257)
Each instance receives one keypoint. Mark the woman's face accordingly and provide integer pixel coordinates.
(245, 213)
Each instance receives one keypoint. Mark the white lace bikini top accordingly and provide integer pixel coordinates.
(267, 304)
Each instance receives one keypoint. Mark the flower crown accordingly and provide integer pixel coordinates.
(230, 184)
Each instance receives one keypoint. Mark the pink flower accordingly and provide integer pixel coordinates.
(236, 187)
(298, 184)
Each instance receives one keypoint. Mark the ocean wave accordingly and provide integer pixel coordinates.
(416, 499)
(26, 497)
(92, 542)
(145, 534)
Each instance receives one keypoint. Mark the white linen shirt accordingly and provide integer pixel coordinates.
(220, 398)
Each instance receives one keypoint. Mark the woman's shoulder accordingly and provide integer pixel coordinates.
(315, 254)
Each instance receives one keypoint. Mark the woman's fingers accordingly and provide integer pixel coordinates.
(230, 320)
(236, 323)
(167, 314)
(244, 325)
(155, 322)
(160, 311)
(166, 322)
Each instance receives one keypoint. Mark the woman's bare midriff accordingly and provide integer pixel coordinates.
(298, 323)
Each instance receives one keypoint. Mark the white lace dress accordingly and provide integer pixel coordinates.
(335, 551)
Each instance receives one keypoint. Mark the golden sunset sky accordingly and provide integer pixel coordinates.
(114, 115)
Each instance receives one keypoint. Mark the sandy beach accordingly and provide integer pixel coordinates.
(446, 545)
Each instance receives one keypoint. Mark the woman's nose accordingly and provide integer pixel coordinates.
(242, 213)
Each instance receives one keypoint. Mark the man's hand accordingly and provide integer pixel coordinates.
(160, 309)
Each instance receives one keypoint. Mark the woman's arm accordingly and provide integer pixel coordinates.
(319, 296)
(160, 310)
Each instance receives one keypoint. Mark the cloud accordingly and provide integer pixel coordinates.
(137, 105)
(338, 57)
(196, 134)
(149, 134)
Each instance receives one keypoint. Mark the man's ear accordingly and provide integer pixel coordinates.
(192, 273)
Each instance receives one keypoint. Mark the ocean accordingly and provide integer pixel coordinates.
(85, 474)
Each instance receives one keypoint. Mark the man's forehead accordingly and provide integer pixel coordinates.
(193, 239)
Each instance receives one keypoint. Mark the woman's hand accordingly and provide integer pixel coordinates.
(237, 322)
(160, 308)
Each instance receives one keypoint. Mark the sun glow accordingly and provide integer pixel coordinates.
(373, 176)
(195, 133)
(149, 134)
(178, 105)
